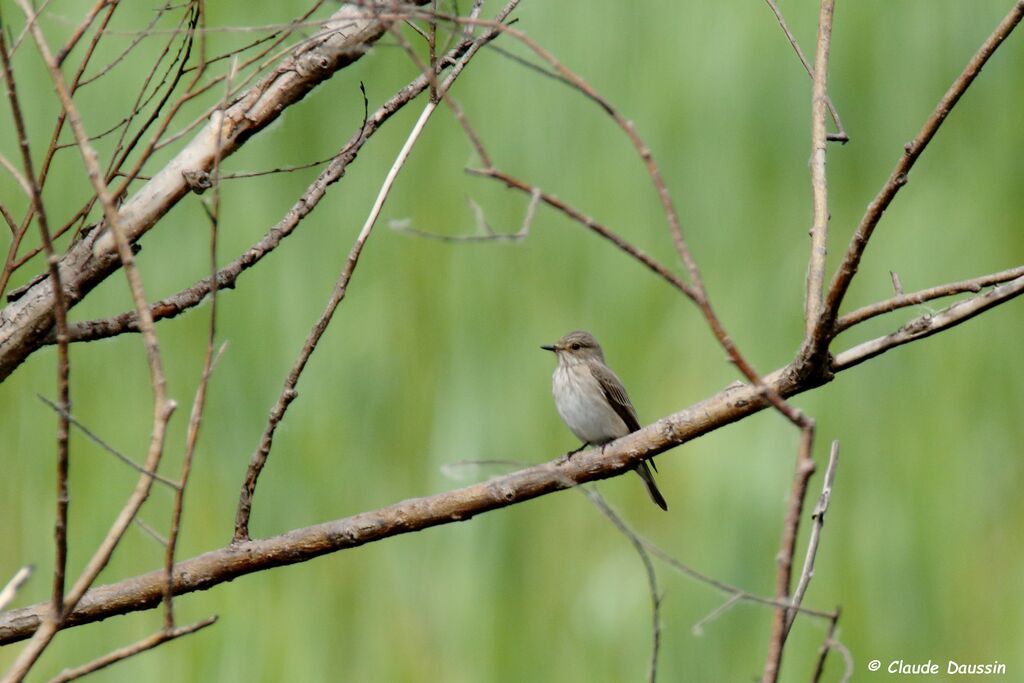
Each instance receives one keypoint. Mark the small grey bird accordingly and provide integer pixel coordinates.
(592, 401)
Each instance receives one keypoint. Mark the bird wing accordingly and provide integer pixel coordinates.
(613, 390)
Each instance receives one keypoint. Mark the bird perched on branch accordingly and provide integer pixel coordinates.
(592, 401)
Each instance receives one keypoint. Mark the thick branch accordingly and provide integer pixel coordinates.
(26, 322)
(300, 545)
(219, 566)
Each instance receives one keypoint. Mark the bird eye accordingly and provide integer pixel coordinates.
(575, 346)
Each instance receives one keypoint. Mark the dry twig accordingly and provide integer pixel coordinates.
(15, 583)
(817, 522)
(158, 638)
(825, 329)
(288, 393)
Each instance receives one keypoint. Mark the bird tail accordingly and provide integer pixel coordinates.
(652, 489)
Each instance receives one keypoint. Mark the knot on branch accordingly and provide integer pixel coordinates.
(311, 62)
(812, 366)
(917, 325)
(198, 181)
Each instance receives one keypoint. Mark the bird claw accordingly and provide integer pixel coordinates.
(568, 456)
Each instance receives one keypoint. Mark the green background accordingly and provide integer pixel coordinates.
(433, 358)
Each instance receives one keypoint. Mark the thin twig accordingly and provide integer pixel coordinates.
(151, 532)
(227, 276)
(12, 223)
(80, 30)
(698, 628)
(162, 407)
(928, 324)
(819, 178)
(438, 93)
(787, 547)
(902, 300)
(897, 286)
(840, 134)
(158, 638)
(199, 403)
(15, 583)
(61, 317)
(122, 150)
(485, 232)
(899, 176)
(13, 262)
(136, 38)
(588, 222)
(105, 446)
(819, 668)
(19, 178)
(652, 578)
(817, 522)
(288, 393)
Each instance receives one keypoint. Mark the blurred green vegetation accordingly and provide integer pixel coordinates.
(433, 358)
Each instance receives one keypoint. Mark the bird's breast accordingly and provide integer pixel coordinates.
(582, 404)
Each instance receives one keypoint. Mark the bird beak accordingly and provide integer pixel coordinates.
(548, 347)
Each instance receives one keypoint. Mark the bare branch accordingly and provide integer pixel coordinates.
(831, 643)
(698, 628)
(15, 583)
(899, 176)
(791, 528)
(652, 578)
(162, 407)
(927, 325)
(199, 403)
(485, 233)
(26, 322)
(559, 205)
(288, 393)
(104, 445)
(124, 653)
(61, 317)
(299, 545)
(227, 276)
(817, 522)
(902, 300)
(840, 134)
(819, 178)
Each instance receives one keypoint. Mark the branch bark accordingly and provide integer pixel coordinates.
(26, 322)
(238, 559)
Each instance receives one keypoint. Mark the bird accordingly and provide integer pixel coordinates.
(592, 401)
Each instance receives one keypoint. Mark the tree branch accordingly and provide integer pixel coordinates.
(903, 300)
(26, 322)
(818, 521)
(899, 176)
(819, 179)
(927, 325)
(300, 545)
(158, 638)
